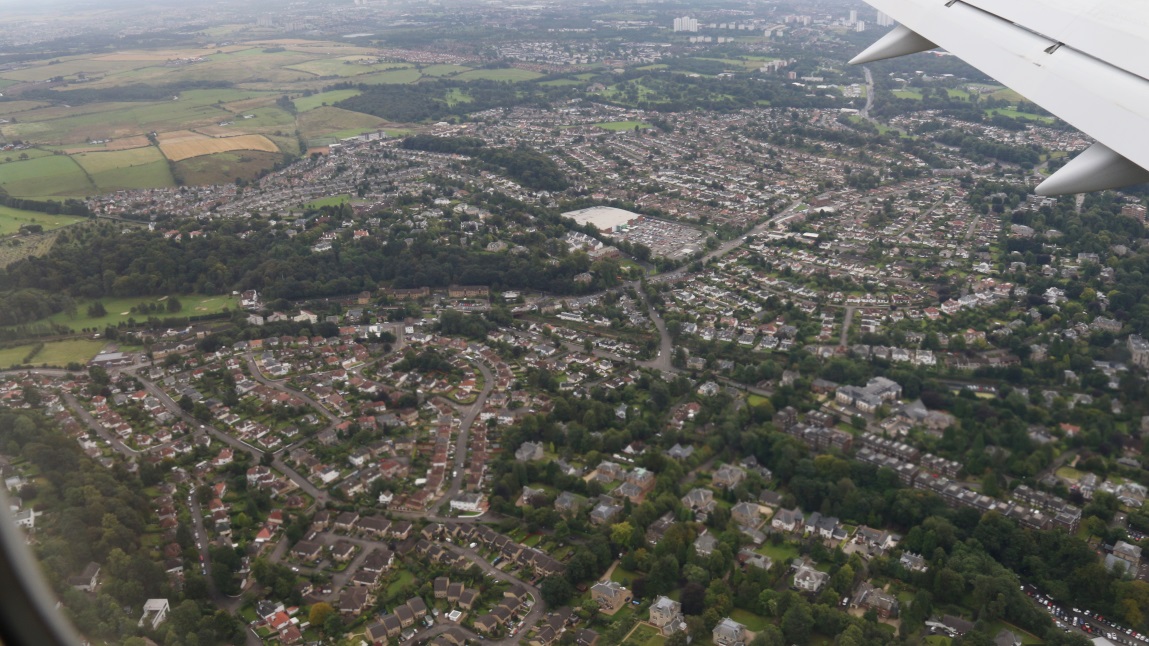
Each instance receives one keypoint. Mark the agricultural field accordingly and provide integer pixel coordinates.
(443, 70)
(221, 168)
(506, 74)
(181, 145)
(326, 125)
(12, 219)
(53, 353)
(305, 103)
(53, 176)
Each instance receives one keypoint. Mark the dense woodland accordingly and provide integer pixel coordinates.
(523, 164)
(95, 514)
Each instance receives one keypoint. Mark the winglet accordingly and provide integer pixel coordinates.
(1095, 169)
(899, 42)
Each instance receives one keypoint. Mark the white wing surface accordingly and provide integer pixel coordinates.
(1085, 61)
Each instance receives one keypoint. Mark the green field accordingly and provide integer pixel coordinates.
(305, 103)
(157, 174)
(506, 74)
(119, 310)
(12, 219)
(620, 575)
(753, 622)
(908, 94)
(779, 553)
(327, 125)
(127, 169)
(406, 75)
(644, 635)
(444, 70)
(54, 353)
(334, 200)
(1029, 116)
(57, 175)
(222, 168)
(622, 125)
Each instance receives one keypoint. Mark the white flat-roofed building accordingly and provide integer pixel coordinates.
(605, 218)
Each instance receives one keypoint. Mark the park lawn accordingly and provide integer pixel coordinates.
(12, 219)
(44, 177)
(305, 103)
(779, 553)
(504, 74)
(334, 200)
(753, 622)
(119, 310)
(616, 126)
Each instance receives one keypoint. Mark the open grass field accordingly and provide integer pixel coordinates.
(29, 153)
(157, 174)
(443, 70)
(126, 143)
(181, 145)
(55, 353)
(99, 162)
(8, 108)
(908, 94)
(404, 75)
(119, 310)
(333, 200)
(1016, 114)
(305, 103)
(343, 66)
(221, 168)
(325, 125)
(12, 219)
(506, 74)
(622, 125)
(56, 175)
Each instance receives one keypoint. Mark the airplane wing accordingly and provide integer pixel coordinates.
(1083, 60)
